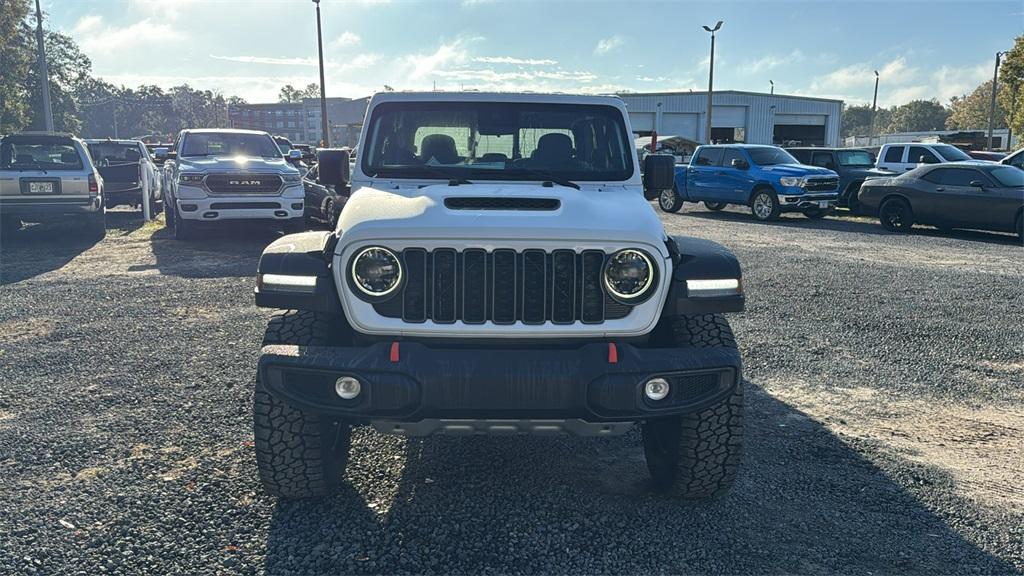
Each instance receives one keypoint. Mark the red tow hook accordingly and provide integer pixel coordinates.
(613, 353)
(394, 352)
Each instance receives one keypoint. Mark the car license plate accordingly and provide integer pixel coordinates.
(823, 204)
(40, 187)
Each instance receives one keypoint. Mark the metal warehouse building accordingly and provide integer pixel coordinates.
(751, 117)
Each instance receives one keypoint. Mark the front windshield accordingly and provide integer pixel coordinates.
(951, 153)
(113, 153)
(229, 144)
(855, 158)
(1008, 176)
(497, 141)
(770, 156)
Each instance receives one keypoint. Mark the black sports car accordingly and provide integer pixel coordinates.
(975, 195)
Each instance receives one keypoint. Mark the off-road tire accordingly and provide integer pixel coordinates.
(183, 229)
(168, 213)
(714, 206)
(298, 454)
(896, 215)
(765, 197)
(698, 455)
(670, 201)
(1020, 226)
(96, 224)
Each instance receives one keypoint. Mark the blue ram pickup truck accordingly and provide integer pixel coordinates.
(765, 178)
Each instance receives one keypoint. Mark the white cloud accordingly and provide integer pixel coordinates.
(447, 54)
(771, 61)
(956, 81)
(268, 60)
(606, 45)
(515, 61)
(97, 37)
(893, 73)
(347, 39)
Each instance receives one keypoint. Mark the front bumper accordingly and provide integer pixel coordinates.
(808, 200)
(213, 208)
(413, 382)
(50, 206)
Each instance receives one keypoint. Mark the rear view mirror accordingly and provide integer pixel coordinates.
(659, 172)
(739, 163)
(334, 166)
(294, 155)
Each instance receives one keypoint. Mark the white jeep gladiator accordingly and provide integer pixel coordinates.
(218, 174)
(497, 270)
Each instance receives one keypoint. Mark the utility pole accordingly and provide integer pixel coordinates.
(711, 80)
(324, 123)
(874, 106)
(772, 82)
(991, 109)
(44, 73)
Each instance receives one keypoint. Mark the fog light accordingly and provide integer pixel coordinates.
(655, 389)
(348, 387)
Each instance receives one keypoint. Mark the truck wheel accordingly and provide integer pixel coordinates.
(816, 213)
(852, 202)
(765, 205)
(183, 229)
(714, 206)
(895, 215)
(669, 200)
(96, 224)
(168, 213)
(1020, 226)
(298, 454)
(698, 455)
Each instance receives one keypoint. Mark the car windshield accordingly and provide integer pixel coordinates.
(107, 153)
(1008, 176)
(26, 153)
(229, 144)
(855, 158)
(497, 141)
(951, 153)
(770, 156)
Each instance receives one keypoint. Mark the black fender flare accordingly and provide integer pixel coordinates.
(699, 259)
(304, 257)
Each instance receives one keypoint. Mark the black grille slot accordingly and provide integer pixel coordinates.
(506, 203)
(243, 205)
(504, 287)
(822, 185)
(243, 183)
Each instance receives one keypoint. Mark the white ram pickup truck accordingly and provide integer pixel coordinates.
(497, 270)
(219, 174)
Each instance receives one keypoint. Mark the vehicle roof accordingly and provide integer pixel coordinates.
(221, 131)
(534, 97)
(739, 146)
(825, 148)
(111, 141)
(40, 134)
(916, 144)
(963, 164)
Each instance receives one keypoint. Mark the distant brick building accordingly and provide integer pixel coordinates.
(300, 121)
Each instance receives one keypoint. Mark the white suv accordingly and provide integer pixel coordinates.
(219, 174)
(904, 157)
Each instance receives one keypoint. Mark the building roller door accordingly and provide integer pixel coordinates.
(679, 124)
(643, 122)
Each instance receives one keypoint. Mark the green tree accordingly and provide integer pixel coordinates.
(15, 60)
(292, 94)
(918, 116)
(68, 67)
(1011, 80)
(970, 112)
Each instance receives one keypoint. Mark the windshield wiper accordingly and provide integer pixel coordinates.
(548, 178)
(433, 171)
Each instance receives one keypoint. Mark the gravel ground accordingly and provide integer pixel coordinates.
(885, 423)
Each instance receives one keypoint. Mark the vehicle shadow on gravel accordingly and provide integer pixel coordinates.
(846, 222)
(806, 502)
(231, 249)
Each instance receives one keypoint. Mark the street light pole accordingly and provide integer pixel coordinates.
(324, 123)
(44, 74)
(874, 106)
(772, 82)
(991, 109)
(711, 79)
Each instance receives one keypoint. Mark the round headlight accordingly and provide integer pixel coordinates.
(629, 275)
(376, 271)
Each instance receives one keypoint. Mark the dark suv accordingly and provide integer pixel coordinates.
(854, 166)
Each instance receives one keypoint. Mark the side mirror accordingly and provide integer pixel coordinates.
(739, 163)
(977, 184)
(294, 155)
(160, 153)
(334, 166)
(924, 160)
(659, 172)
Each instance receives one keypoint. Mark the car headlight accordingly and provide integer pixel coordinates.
(189, 178)
(291, 178)
(376, 272)
(791, 181)
(629, 276)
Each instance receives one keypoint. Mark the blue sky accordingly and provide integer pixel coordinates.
(826, 48)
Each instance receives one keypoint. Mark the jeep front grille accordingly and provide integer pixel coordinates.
(504, 286)
(241, 184)
(826, 184)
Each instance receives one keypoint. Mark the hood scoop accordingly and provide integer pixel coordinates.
(502, 203)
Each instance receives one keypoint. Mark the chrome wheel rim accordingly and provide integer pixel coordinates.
(667, 198)
(893, 216)
(762, 206)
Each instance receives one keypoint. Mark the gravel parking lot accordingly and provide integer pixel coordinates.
(885, 424)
